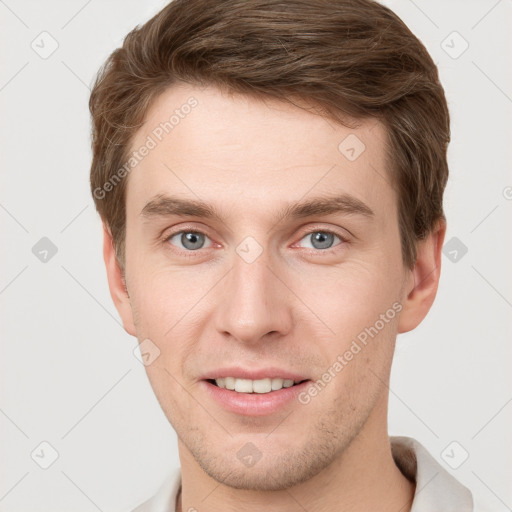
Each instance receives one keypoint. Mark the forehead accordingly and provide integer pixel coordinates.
(251, 152)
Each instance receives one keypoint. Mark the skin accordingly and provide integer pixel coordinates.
(295, 307)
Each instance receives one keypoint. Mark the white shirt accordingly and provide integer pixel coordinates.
(436, 489)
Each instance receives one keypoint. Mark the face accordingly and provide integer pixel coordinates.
(263, 249)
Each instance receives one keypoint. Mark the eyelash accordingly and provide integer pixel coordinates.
(330, 250)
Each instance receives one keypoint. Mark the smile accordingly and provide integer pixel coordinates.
(266, 385)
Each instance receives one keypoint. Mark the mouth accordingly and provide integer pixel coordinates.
(254, 392)
(257, 386)
(251, 391)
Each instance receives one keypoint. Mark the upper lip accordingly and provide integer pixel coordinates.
(253, 374)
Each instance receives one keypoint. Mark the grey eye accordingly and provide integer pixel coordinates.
(189, 240)
(321, 239)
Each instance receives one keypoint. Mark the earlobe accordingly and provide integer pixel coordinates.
(423, 280)
(116, 283)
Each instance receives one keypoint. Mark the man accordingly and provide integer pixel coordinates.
(270, 177)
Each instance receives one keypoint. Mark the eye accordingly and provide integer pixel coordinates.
(189, 240)
(321, 240)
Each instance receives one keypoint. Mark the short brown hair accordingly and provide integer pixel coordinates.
(349, 57)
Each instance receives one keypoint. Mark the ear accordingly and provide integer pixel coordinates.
(423, 279)
(116, 283)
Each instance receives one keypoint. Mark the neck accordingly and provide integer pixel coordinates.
(363, 477)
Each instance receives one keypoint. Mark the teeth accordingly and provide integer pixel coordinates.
(262, 386)
(229, 383)
(277, 384)
(254, 386)
(243, 385)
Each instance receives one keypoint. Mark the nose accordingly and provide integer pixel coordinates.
(255, 304)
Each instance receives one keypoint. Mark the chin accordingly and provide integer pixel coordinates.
(266, 478)
(274, 472)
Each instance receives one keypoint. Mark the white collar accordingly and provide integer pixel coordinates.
(436, 489)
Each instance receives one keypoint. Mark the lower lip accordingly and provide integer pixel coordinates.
(254, 404)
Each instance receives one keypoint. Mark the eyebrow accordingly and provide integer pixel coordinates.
(166, 206)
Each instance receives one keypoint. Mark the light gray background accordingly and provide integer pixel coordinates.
(68, 373)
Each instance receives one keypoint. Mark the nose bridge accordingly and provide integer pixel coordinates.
(254, 302)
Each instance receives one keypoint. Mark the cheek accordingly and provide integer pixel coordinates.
(166, 302)
(170, 306)
(350, 297)
(164, 295)
(358, 356)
